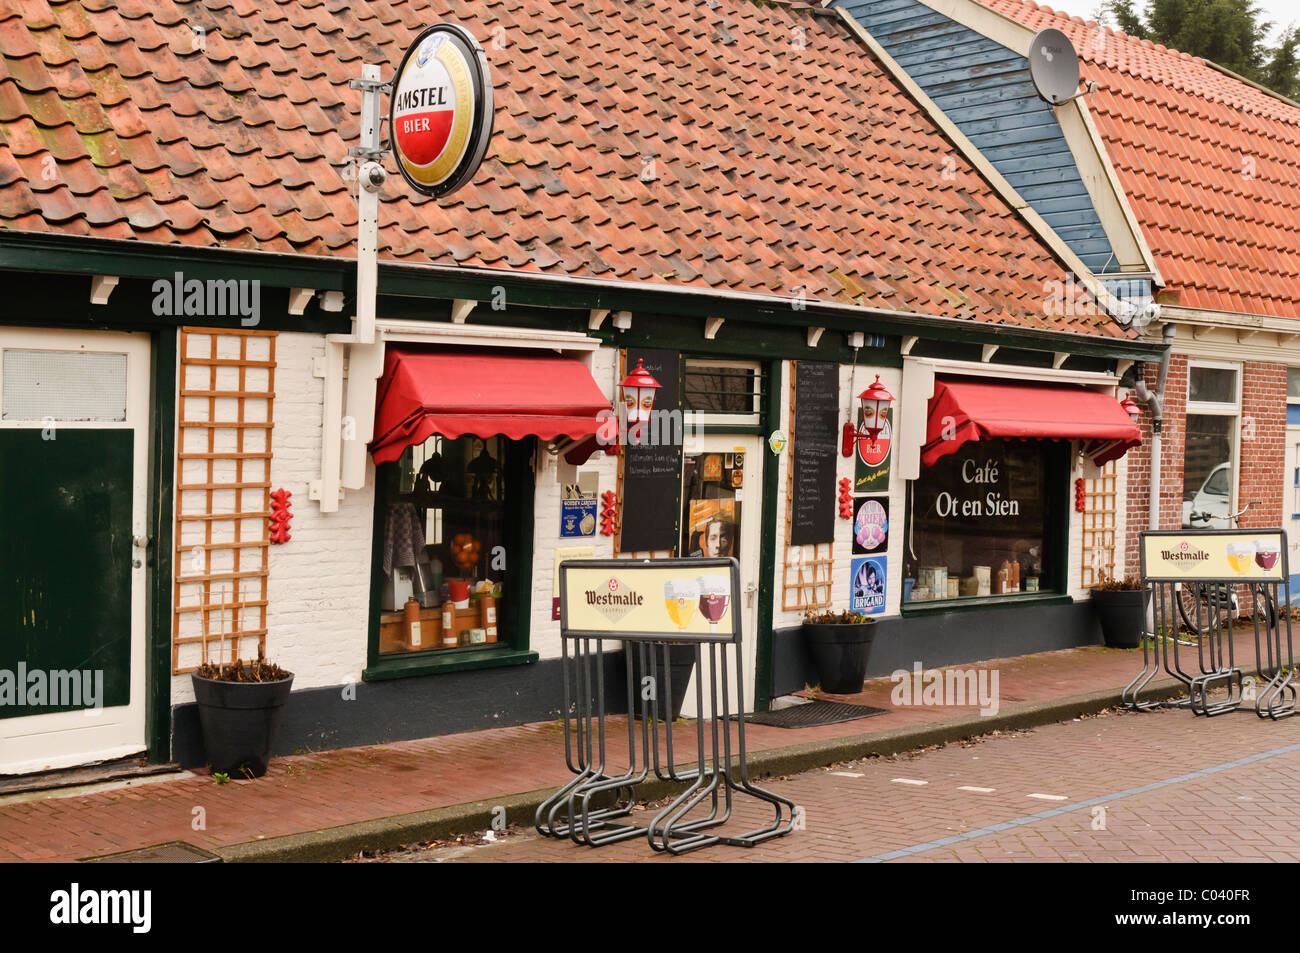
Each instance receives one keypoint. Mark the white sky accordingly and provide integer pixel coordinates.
(1281, 12)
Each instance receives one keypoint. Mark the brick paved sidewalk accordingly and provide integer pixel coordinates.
(312, 792)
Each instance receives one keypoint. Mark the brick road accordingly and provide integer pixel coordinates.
(1237, 812)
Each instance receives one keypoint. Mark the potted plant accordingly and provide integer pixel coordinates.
(240, 705)
(1121, 609)
(839, 643)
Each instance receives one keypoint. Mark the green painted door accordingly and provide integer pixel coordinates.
(65, 568)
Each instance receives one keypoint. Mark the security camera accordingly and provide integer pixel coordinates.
(373, 176)
(1138, 316)
(1145, 313)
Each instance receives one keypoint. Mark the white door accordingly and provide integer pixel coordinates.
(74, 416)
(722, 494)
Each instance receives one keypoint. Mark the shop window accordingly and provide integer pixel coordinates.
(450, 510)
(1209, 447)
(988, 520)
(712, 488)
(723, 391)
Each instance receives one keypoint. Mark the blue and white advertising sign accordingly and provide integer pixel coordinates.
(867, 585)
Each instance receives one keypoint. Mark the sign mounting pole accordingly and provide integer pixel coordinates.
(370, 179)
(440, 121)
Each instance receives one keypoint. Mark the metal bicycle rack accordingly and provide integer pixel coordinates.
(1260, 572)
(578, 810)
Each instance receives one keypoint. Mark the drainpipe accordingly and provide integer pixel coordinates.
(1154, 402)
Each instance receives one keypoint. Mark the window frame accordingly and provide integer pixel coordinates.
(514, 647)
(1056, 541)
(1206, 408)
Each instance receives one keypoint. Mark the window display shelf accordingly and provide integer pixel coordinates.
(393, 637)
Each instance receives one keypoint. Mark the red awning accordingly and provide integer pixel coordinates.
(456, 393)
(965, 409)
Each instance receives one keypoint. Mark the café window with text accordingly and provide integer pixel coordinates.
(988, 521)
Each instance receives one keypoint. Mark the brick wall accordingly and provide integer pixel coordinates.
(544, 637)
(1261, 453)
(1263, 443)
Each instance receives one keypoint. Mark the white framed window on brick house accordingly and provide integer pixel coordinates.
(1211, 444)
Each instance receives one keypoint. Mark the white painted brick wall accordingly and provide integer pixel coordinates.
(319, 589)
(545, 635)
(1074, 571)
(851, 384)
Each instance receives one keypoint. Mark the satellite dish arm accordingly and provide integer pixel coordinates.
(1090, 87)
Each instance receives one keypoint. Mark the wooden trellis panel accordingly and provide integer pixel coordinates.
(1099, 507)
(807, 572)
(223, 486)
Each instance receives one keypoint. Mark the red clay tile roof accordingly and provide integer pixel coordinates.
(1211, 165)
(783, 155)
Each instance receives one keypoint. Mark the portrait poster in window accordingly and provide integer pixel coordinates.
(712, 528)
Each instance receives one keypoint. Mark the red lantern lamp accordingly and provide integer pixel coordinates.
(638, 392)
(874, 404)
(1132, 408)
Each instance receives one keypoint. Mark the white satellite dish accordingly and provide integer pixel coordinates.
(1054, 67)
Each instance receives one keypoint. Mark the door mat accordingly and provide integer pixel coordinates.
(813, 714)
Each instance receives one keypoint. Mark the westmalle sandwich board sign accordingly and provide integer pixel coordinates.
(441, 110)
(678, 600)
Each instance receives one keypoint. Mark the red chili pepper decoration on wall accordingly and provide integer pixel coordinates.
(608, 511)
(846, 498)
(280, 516)
(1080, 489)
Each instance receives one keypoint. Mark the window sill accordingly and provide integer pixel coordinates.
(442, 661)
(936, 606)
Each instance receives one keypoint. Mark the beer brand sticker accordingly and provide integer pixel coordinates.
(614, 600)
(441, 110)
(867, 586)
(870, 525)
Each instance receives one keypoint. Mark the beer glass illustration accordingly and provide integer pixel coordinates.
(1240, 556)
(715, 593)
(679, 600)
(1266, 553)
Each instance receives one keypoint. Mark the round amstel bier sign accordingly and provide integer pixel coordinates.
(441, 110)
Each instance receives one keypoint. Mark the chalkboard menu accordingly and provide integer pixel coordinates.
(652, 473)
(813, 452)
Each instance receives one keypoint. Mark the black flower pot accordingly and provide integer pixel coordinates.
(681, 665)
(1120, 614)
(239, 721)
(839, 652)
